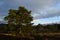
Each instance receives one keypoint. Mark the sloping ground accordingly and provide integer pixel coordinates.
(4, 36)
(46, 36)
(49, 34)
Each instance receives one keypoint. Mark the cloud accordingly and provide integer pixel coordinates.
(39, 8)
(50, 20)
(48, 12)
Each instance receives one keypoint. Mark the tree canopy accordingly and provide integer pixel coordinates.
(19, 20)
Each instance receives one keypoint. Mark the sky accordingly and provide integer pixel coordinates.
(43, 11)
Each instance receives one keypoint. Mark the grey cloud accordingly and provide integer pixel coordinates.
(38, 7)
(48, 13)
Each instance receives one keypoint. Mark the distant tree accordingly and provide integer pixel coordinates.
(58, 26)
(52, 27)
(39, 28)
(19, 20)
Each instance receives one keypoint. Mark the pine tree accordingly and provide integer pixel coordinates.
(19, 20)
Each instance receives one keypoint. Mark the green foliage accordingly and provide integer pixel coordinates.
(19, 20)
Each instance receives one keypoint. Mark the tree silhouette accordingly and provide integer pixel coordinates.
(19, 20)
(39, 28)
